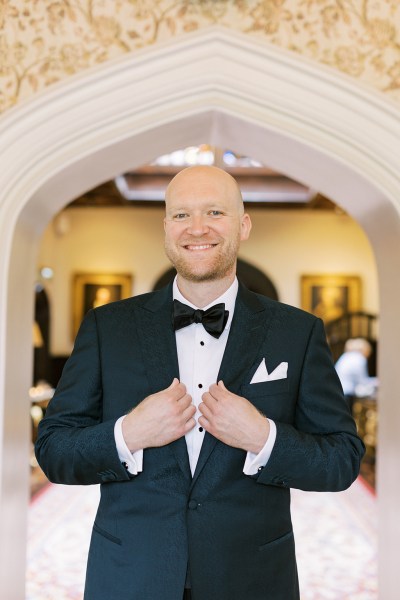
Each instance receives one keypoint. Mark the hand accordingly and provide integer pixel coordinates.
(160, 418)
(233, 419)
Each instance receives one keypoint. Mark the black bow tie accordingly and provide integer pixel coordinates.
(213, 319)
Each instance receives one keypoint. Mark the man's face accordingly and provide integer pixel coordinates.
(204, 224)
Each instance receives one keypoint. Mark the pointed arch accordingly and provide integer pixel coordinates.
(309, 122)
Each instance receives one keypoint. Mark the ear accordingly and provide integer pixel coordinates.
(245, 227)
(165, 223)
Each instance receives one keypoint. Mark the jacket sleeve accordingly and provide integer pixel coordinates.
(320, 451)
(74, 445)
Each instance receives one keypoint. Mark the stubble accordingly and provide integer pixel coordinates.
(192, 270)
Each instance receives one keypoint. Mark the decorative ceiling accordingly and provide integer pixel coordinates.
(260, 185)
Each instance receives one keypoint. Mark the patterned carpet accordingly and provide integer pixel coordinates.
(336, 539)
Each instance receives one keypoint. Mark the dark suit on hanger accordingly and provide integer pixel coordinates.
(234, 529)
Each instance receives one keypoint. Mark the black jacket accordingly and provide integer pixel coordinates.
(234, 529)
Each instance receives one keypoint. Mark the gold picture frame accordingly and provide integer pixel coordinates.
(330, 296)
(91, 290)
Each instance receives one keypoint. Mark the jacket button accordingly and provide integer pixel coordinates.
(192, 504)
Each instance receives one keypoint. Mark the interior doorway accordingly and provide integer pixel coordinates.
(59, 158)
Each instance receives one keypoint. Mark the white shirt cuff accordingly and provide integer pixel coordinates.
(255, 462)
(134, 461)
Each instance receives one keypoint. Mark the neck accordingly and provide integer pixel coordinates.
(202, 293)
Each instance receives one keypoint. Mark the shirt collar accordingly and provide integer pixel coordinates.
(228, 298)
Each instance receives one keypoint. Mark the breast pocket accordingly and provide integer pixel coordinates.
(266, 388)
(272, 399)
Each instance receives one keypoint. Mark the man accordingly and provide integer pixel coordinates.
(352, 370)
(222, 416)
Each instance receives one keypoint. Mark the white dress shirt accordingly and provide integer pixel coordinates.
(199, 358)
(352, 368)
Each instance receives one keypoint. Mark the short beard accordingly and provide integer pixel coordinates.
(223, 265)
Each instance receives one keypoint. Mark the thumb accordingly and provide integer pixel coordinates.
(222, 385)
(174, 383)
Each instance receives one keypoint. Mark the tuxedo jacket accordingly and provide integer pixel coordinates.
(234, 530)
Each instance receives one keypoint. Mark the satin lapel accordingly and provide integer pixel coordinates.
(248, 329)
(160, 356)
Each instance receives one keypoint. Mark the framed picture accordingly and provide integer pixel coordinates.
(91, 290)
(330, 296)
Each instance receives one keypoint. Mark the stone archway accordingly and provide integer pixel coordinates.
(301, 119)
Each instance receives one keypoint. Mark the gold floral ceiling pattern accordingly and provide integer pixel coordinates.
(42, 42)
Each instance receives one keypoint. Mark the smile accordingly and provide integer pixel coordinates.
(198, 247)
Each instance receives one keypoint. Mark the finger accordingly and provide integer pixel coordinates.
(213, 388)
(185, 401)
(189, 412)
(217, 392)
(204, 423)
(174, 383)
(189, 425)
(178, 391)
(205, 411)
(209, 400)
(173, 390)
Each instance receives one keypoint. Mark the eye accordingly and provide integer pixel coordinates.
(180, 216)
(215, 213)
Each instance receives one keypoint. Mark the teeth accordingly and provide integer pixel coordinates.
(200, 247)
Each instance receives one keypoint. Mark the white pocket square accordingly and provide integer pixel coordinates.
(262, 374)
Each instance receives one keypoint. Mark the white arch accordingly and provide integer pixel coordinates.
(225, 88)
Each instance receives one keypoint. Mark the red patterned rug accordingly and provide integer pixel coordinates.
(336, 541)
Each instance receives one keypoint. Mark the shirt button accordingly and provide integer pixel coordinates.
(200, 385)
(201, 343)
(200, 429)
(192, 504)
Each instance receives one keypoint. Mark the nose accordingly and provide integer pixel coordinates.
(198, 225)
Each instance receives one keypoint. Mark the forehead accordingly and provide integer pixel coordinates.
(202, 191)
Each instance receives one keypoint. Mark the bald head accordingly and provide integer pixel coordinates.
(201, 177)
(358, 345)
